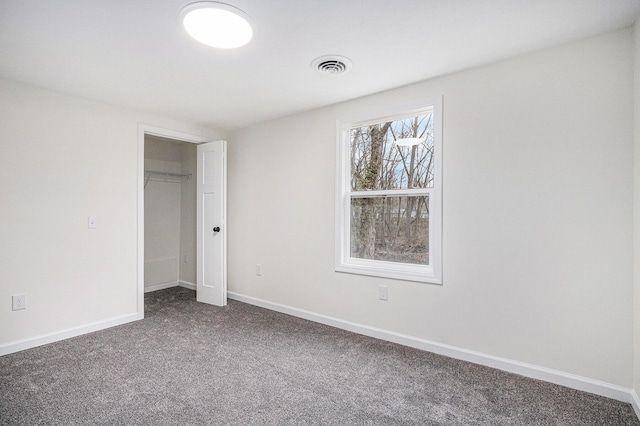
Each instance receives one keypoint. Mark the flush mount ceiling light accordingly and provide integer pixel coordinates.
(217, 24)
(409, 141)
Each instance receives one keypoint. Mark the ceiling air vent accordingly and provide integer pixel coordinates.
(331, 65)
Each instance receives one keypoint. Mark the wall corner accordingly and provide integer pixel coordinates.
(636, 210)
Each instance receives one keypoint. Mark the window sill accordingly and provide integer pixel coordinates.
(413, 273)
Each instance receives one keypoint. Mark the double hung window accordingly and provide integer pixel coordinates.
(388, 207)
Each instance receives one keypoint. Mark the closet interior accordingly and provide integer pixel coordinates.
(169, 213)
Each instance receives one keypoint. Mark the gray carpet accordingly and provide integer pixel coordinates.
(188, 363)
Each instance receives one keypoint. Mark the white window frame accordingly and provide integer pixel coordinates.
(431, 273)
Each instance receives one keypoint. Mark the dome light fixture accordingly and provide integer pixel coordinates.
(217, 24)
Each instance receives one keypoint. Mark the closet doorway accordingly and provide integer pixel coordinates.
(181, 194)
(169, 213)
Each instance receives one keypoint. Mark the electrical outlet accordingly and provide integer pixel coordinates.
(383, 292)
(185, 259)
(19, 302)
(259, 270)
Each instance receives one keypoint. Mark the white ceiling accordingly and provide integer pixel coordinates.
(135, 54)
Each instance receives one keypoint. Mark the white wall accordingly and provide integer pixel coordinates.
(636, 208)
(538, 190)
(62, 159)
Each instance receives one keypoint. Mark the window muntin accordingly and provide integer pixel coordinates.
(388, 210)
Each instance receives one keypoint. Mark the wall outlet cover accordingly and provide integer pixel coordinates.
(19, 302)
(383, 292)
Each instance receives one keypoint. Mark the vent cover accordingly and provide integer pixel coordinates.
(331, 65)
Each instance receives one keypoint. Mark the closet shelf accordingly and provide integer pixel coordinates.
(156, 175)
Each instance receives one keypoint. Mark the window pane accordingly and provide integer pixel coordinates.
(393, 229)
(381, 157)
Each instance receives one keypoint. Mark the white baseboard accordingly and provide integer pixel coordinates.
(44, 339)
(529, 370)
(187, 284)
(162, 286)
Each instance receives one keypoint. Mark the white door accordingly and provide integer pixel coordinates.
(212, 223)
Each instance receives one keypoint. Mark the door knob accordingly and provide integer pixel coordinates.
(216, 229)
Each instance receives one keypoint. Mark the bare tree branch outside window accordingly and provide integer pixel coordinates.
(391, 228)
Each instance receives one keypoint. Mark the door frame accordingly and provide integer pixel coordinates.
(146, 129)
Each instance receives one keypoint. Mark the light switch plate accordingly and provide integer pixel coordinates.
(92, 223)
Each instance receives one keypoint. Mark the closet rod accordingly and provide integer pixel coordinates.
(167, 174)
(159, 174)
